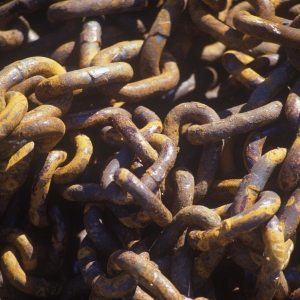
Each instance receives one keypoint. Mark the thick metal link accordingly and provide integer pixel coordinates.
(145, 273)
(230, 37)
(21, 70)
(23, 243)
(249, 219)
(152, 205)
(253, 183)
(157, 85)
(40, 188)
(268, 279)
(190, 215)
(90, 41)
(31, 285)
(95, 277)
(70, 10)
(157, 37)
(236, 124)
(84, 151)
(270, 31)
(200, 113)
(83, 78)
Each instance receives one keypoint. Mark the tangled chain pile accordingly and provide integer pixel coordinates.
(149, 149)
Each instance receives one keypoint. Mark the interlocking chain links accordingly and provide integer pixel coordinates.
(27, 87)
(83, 78)
(94, 276)
(264, 91)
(158, 171)
(244, 74)
(134, 139)
(45, 132)
(267, 30)
(253, 183)
(23, 243)
(188, 216)
(84, 151)
(90, 118)
(142, 116)
(250, 187)
(19, 135)
(142, 89)
(122, 51)
(145, 273)
(111, 190)
(20, 276)
(248, 72)
(273, 260)
(86, 192)
(155, 86)
(256, 140)
(35, 286)
(152, 205)
(153, 175)
(218, 30)
(235, 124)
(158, 35)
(138, 184)
(21, 70)
(200, 113)
(142, 190)
(16, 274)
(123, 158)
(252, 262)
(249, 219)
(70, 10)
(38, 206)
(186, 113)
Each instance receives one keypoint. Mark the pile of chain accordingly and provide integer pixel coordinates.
(149, 149)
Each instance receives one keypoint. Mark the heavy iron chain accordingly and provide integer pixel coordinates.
(149, 149)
